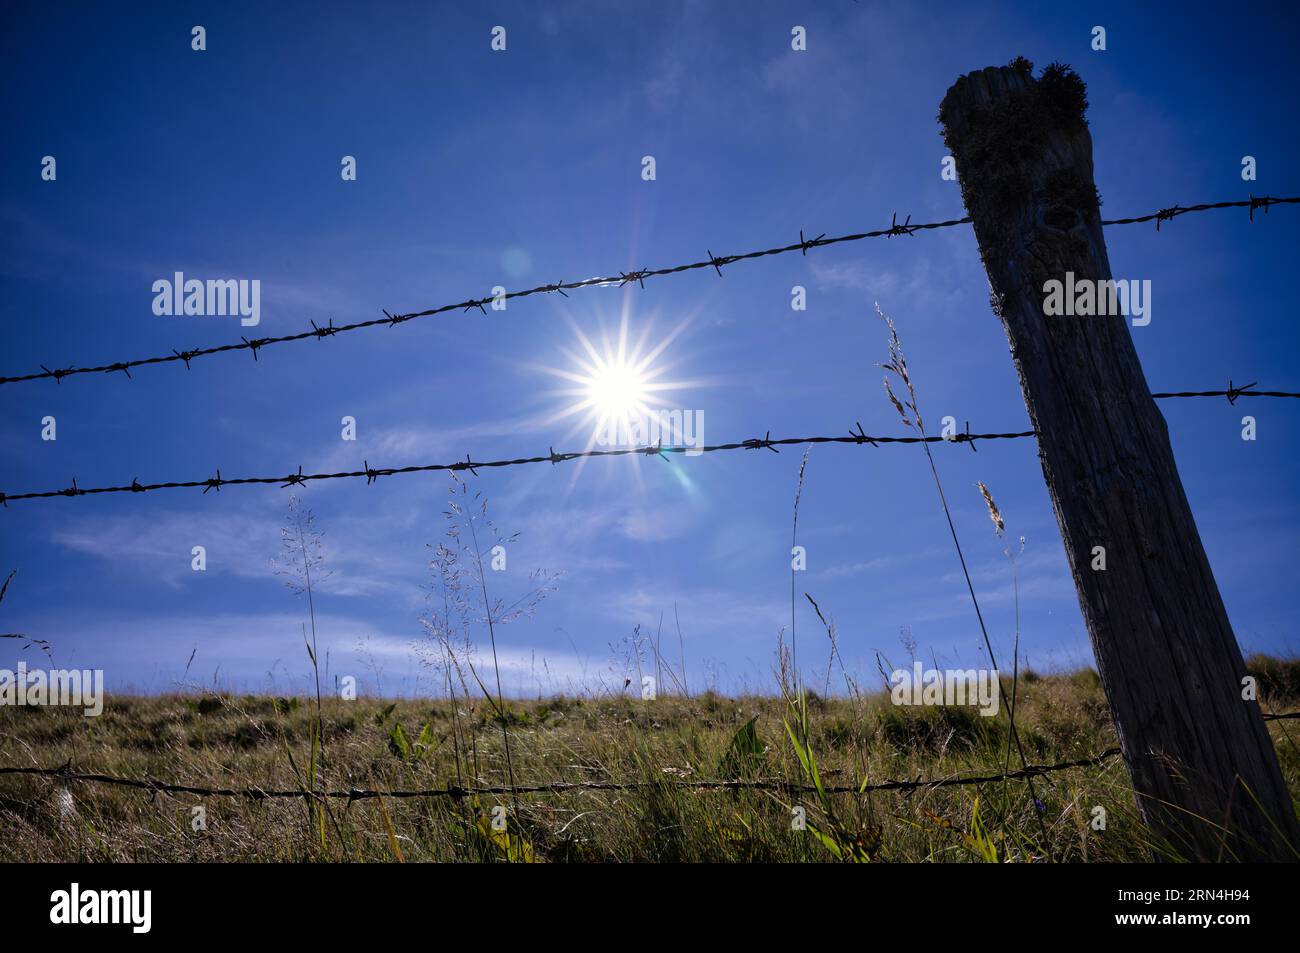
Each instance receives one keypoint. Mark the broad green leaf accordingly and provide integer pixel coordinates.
(398, 743)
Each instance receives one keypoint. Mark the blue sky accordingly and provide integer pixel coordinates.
(477, 169)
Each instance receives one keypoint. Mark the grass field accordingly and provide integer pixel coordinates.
(238, 741)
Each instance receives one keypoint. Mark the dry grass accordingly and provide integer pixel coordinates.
(236, 741)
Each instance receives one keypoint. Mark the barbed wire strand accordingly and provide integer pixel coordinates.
(1232, 393)
(66, 774)
(716, 262)
(371, 474)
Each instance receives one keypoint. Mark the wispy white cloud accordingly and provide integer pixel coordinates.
(358, 552)
(919, 285)
(162, 544)
(711, 613)
(265, 651)
(855, 569)
(656, 523)
(407, 446)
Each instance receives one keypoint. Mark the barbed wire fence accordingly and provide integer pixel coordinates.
(854, 437)
(65, 773)
(1232, 393)
(623, 278)
(372, 473)
(717, 262)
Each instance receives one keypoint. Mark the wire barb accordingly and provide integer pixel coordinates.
(295, 479)
(907, 228)
(860, 435)
(805, 244)
(656, 451)
(966, 437)
(1234, 392)
(755, 443)
(324, 332)
(1169, 214)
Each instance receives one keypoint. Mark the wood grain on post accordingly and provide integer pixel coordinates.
(1199, 755)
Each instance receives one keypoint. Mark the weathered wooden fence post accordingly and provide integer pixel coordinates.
(1200, 757)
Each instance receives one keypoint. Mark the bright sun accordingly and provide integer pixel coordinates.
(615, 385)
(617, 390)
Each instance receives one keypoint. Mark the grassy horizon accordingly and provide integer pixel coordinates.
(231, 740)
